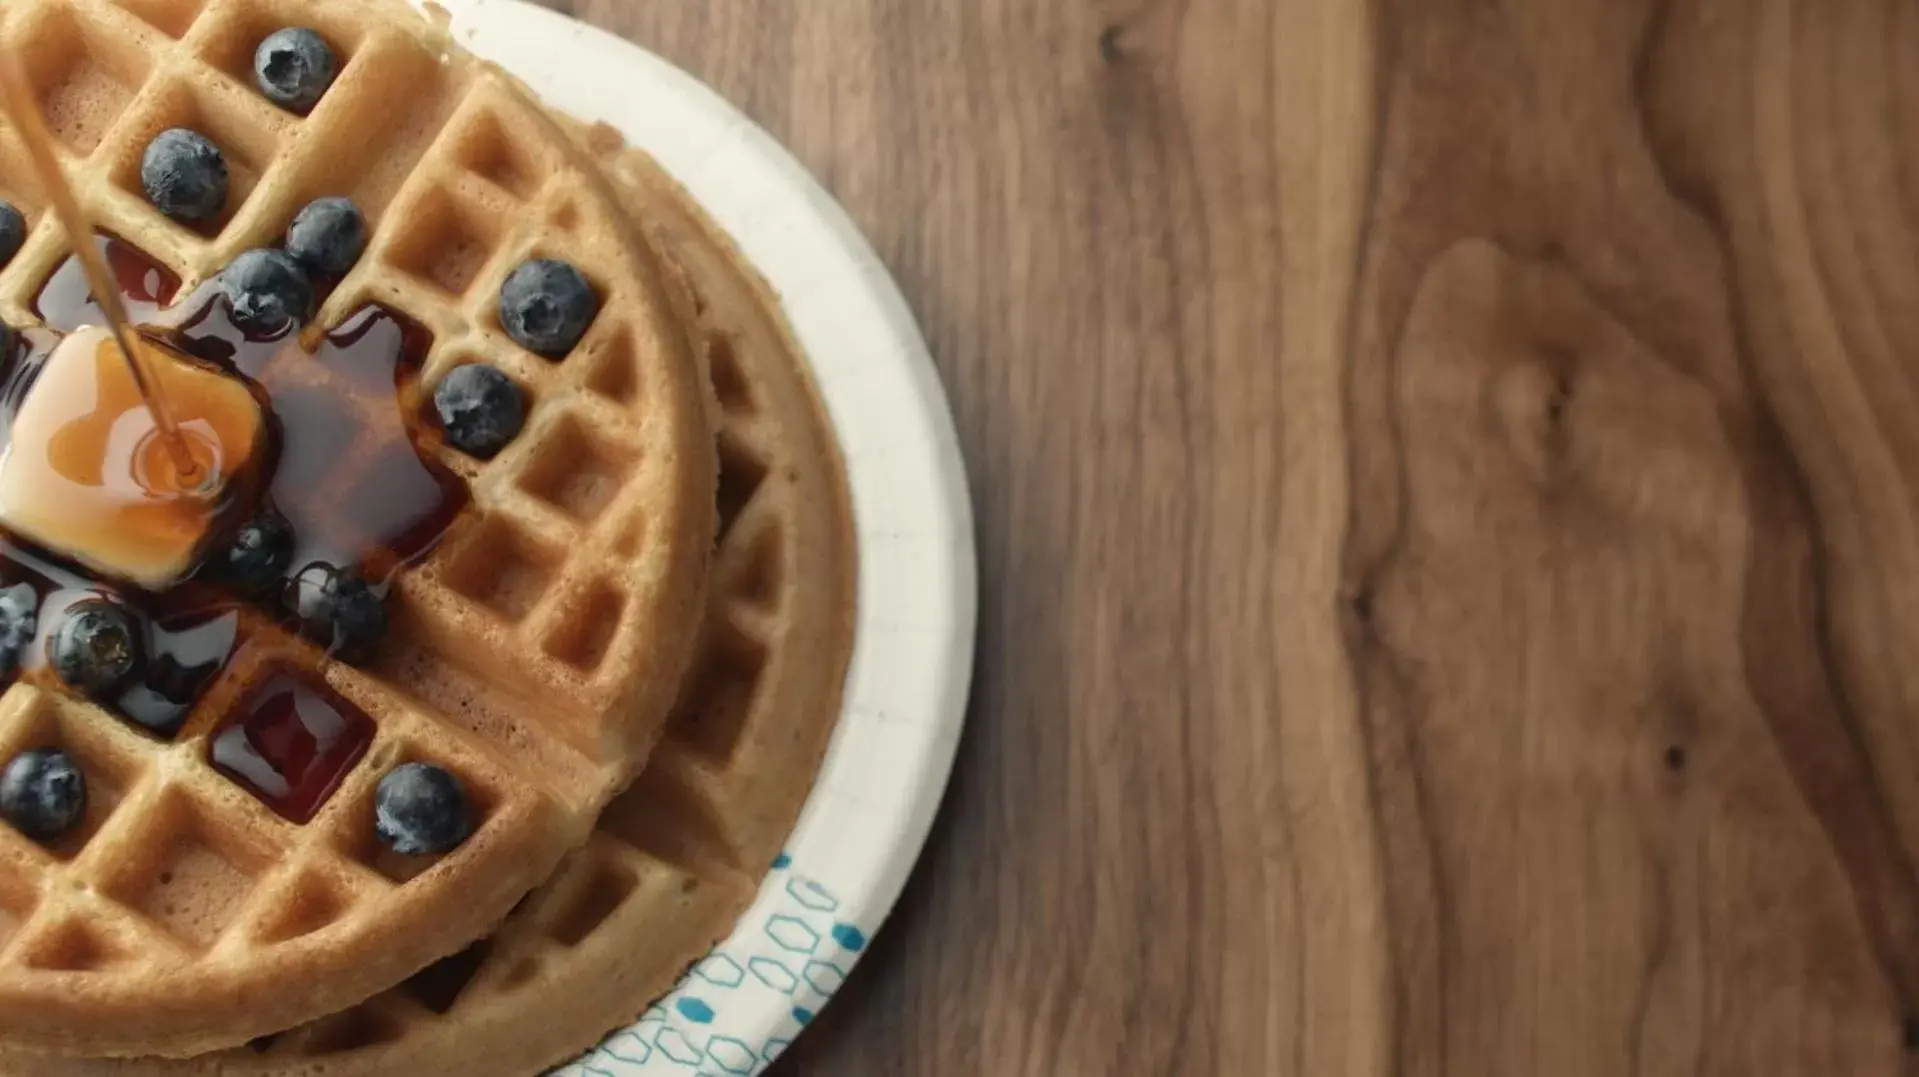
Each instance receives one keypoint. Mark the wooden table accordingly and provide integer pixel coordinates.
(1446, 477)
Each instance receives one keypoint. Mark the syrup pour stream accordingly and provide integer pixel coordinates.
(19, 102)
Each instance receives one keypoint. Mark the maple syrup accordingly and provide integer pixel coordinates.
(346, 468)
(187, 635)
(292, 743)
(342, 467)
(351, 477)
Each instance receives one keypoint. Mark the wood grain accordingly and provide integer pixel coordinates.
(1446, 479)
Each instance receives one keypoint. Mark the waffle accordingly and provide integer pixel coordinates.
(675, 859)
(536, 652)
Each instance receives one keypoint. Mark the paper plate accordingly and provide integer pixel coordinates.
(867, 818)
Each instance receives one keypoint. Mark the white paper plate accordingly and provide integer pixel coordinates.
(912, 660)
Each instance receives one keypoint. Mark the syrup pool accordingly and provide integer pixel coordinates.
(188, 636)
(293, 742)
(348, 471)
(343, 465)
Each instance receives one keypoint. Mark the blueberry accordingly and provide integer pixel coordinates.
(42, 793)
(19, 620)
(546, 306)
(259, 554)
(421, 810)
(328, 236)
(185, 176)
(95, 648)
(268, 291)
(295, 68)
(13, 232)
(338, 610)
(481, 409)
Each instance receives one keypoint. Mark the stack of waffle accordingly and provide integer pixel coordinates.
(628, 647)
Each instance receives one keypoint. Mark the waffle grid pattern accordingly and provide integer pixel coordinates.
(677, 858)
(165, 834)
(573, 580)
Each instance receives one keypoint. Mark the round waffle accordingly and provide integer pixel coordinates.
(677, 858)
(536, 651)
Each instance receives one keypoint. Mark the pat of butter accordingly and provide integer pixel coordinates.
(86, 474)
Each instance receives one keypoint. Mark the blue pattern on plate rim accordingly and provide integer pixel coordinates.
(796, 959)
